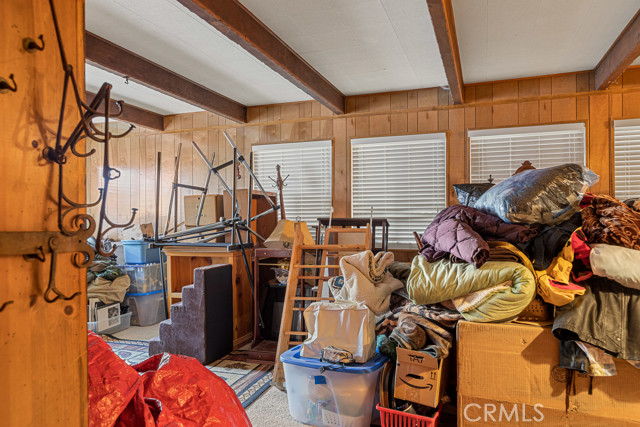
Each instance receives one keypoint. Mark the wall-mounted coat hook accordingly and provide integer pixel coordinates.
(36, 244)
(31, 46)
(6, 87)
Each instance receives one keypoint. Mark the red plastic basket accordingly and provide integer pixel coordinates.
(393, 418)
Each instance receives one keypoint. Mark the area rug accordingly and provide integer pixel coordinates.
(248, 380)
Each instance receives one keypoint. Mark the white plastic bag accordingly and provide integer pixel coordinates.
(342, 324)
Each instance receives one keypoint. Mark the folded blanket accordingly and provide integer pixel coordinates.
(422, 327)
(462, 231)
(608, 220)
(431, 283)
(616, 263)
(367, 280)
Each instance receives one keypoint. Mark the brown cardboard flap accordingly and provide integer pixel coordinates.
(474, 412)
(419, 377)
(518, 364)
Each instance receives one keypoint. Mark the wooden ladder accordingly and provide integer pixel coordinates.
(326, 265)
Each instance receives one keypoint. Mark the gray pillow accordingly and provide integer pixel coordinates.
(468, 194)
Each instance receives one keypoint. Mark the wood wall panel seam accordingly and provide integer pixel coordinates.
(411, 110)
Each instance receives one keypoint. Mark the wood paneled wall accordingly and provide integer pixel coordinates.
(530, 101)
(43, 346)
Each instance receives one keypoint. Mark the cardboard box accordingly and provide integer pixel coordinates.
(138, 232)
(212, 210)
(420, 377)
(108, 316)
(265, 225)
(508, 374)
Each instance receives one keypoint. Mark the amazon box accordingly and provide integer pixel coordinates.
(509, 374)
(420, 377)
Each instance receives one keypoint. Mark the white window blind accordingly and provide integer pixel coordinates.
(404, 180)
(499, 152)
(627, 158)
(308, 189)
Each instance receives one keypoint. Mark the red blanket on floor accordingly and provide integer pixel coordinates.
(163, 390)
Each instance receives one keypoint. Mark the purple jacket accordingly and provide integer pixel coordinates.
(463, 231)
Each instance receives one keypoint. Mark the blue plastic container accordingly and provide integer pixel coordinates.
(146, 308)
(321, 393)
(139, 252)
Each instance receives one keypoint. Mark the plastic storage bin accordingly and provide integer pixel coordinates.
(146, 308)
(111, 326)
(145, 278)
(393, 418)
(139, 252)
(333, 396)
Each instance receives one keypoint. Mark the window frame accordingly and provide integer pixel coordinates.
(331, 145)
(635, 121)
(409, 137)
(469, 133)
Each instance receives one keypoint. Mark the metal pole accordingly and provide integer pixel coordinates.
(175, 211)
(250, 198)
(233, 196)
(197, 230)
(158, 160)
(246, 266)
(222, 181)
(204, 193)
(244, 163)
(173, 188)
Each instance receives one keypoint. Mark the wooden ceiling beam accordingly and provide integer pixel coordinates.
(620, 55)
(134, 115)
(444, 26)
(234, 21)
(111, 57)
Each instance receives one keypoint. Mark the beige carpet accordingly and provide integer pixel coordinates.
(271, 410)
(139, 333)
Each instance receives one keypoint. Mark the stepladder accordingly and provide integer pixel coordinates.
(310, 268)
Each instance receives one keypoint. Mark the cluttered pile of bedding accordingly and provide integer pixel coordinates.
(536, 239)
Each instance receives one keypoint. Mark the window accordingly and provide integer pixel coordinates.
(404, 180)
(626, 154)
(308, 164)
(499, 152)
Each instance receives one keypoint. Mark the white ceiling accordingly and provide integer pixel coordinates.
(134, 93)
(361, 46)
(507, 39)
(166, 33)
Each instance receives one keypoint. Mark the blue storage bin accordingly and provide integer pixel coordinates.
(321, 393)
(139, 252)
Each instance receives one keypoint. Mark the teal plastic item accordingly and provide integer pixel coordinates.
(144, 293)
(139, 252)
(293, 357)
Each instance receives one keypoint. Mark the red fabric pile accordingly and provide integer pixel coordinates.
(163, 390)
